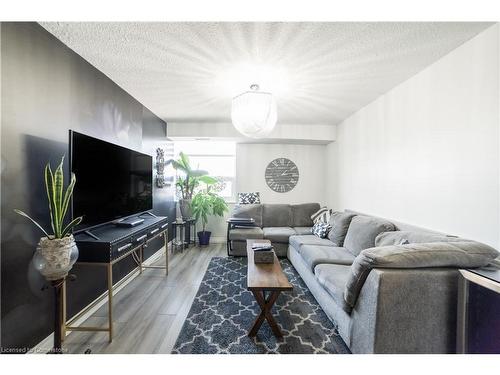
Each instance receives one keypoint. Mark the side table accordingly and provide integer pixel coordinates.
(478, 311)
(236, 222)
(190, 228)
(179, 241)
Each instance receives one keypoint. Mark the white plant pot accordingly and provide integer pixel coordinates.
(55, 257)
(185, 207)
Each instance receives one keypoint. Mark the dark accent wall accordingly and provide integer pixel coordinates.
(48, 89)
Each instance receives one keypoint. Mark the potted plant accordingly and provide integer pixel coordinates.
(57, 252)
(207, 203)
(186, 183)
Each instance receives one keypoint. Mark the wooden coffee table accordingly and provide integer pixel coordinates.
(262, 278)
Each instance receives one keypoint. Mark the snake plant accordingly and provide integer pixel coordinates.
(58, 202)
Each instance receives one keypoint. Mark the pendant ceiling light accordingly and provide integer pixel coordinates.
(254, 112)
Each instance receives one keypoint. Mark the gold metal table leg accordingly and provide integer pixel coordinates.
(165, 240)
(110, 301)
(141, 258)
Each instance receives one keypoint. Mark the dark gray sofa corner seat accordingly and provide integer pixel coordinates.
(275, 222)
(393, 298)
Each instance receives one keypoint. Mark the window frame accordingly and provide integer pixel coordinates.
(198, 155)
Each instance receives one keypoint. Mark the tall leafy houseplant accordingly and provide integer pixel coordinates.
(188, 181)
(57, 252)
(204, 204)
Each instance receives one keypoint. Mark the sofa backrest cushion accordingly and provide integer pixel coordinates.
(459, 254)
(276, 215)
(249, 211)
(399, 236)
(339, 224)
(362, 233)
(301, 214)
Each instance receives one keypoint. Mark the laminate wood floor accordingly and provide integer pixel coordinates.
(149, 312)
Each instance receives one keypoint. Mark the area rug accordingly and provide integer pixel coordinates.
(223, 311)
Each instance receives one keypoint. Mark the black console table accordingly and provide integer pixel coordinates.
(105, 246)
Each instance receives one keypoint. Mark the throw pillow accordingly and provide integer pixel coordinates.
(320, 229)
(362, 233)
(322, 215)
(339, 222)
(249, 198)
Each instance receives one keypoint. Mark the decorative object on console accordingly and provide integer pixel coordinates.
(320, 229)
(249, 198)
(253, 112)
(207, 203)
(281, 175)
(56, 253)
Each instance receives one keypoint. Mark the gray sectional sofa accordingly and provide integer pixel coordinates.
(389, 287)
(275, 222)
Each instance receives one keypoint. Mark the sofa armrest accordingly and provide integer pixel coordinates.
(406, 311)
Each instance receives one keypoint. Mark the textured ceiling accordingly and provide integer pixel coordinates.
(319, 72)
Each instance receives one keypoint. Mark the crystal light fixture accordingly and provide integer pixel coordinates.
(253, 112)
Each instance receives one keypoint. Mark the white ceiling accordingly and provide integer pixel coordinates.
(320, 73)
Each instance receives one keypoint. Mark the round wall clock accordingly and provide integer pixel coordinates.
(282, 175)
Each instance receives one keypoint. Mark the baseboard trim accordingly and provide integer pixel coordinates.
(44, 346)
(218, 239)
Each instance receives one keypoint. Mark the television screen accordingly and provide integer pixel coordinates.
(112, 182)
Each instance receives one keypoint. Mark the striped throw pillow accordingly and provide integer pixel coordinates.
(322, 215)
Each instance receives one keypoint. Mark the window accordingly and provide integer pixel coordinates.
(218, 158)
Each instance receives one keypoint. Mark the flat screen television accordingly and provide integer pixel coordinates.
(112, 182)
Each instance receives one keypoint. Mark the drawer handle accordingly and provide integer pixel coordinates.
(154, 231)
(124, 247)
(139, 239)
(163, 226)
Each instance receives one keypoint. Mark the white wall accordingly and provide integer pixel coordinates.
(251, 163)
(252, 160)
(427, 152)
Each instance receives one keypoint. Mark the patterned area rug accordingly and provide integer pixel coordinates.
(223, 311)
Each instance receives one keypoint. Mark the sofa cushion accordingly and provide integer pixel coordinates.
(362, 233)
(276, 215)
(301, 214)
(249, 211)
(308, 239)
(314, 255)
(397, 237)
(459, 254)
(242, 234)
(333, 277)
(278, 234)
(339, 223)
(303, 230)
